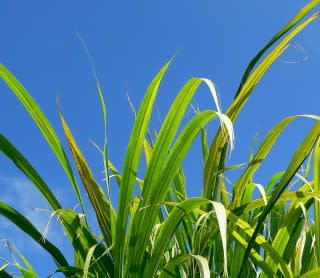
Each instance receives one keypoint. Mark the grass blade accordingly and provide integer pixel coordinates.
(130, 167)
(151, 194)
(102, 207)
(315, 273)
(170, 268)
(167, 230)
(254, 255)
(298, 158)
(222, 222)
(82, 240)
(20, 161)
(104, 114)
(162, 182)
(88, 261)
(219, 142)
(26, 226)
(273, 253)
(298, 17)
(316, 187)
(266, 145)
(43, 124)
(5, 274)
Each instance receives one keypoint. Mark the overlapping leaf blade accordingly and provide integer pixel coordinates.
(21, 162)
(102, 207)
(298, 158)
(26, 226)
(215, 154)
(130, 167)
(296, 19)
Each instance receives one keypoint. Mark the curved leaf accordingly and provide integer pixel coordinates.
(102, 206)
(298, 17)
(298, 158)
(145, 221)
(26, 226)
(130, 167)
(169, 269)
(20, 161)
(216, 155)
(43, 124)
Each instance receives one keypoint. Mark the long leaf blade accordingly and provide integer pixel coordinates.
(101, 205)
(298, 158)
(130, 166)
(26, 226)
(43, 124)
(21, 162)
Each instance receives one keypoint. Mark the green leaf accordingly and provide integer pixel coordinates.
(170, 268)
(43, 124)
(264, 149)
(315, 273)
(130, 167)
(316, 187)
(204, 145)
(5, 274)
(20, 161)
(211, 181)
(298, 158)
(82, 240)
(222, 222)
(289, 231)
(27, 273)
(297, 18)
(102, 207)
(273, 253)
(88, 261)
(297, 195)
(160, 184)
(104, 113)
(167, 230)
(68, 270)
(26, 226)
(254, 255)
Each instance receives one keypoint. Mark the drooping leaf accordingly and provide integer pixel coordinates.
(300, 15)
(27, 227)
(211, 181)
(170, 268)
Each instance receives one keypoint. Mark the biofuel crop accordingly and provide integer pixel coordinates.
(161, 232)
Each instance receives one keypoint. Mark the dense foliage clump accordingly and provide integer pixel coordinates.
(162, 232)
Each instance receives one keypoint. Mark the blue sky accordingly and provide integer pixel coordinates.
(129, 41)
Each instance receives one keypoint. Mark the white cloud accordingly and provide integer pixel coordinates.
(22, 195)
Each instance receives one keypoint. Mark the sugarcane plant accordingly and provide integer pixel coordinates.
(161, 232)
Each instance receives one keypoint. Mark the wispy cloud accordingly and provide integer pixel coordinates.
(21, 194)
